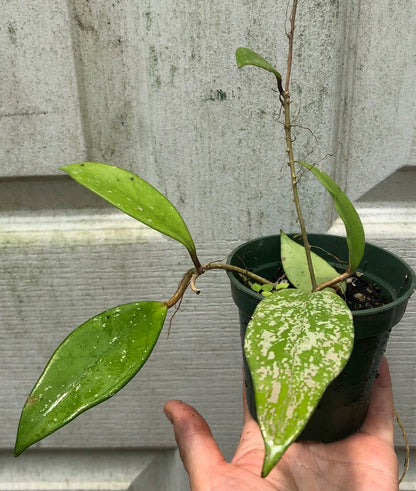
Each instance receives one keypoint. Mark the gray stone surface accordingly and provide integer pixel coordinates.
(153, 87)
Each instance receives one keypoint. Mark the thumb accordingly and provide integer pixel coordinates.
(198, 449)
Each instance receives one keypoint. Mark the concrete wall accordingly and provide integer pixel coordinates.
(153, 87)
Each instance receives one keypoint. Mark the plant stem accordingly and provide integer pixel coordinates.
(193, 274)
(183, 285)
(196, 262)
(285, 100)
(333, 282)
(291, 163)
(229, 267)
(290, 35)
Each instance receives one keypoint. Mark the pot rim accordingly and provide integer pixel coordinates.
(359, 313)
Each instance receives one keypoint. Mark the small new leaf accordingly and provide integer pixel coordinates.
(268, 289)
(93, 363)
(295, 344)
(295, 265)
(348, 214)
(134, 196)
(246, 56)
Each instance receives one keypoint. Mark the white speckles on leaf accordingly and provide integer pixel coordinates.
(275, 386)
(88, 368)
(296, 344)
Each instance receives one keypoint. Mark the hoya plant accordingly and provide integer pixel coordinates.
(298, 340)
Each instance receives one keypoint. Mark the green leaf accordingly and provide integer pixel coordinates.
(296, 266)
(348, 214)
(268, 289)
(246, 56)
(295, 344)
(256, 287)
(264, 290)
(93, 363)
(134, 196)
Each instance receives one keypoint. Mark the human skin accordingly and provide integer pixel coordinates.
(365, 461)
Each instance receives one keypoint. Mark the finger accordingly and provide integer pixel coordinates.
(198, 449)
(248, 418)
(246, 411)
(250, 439)
(379, 420)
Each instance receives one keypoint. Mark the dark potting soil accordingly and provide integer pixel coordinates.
(361, 294)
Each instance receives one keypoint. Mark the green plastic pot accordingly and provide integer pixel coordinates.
(342, 408)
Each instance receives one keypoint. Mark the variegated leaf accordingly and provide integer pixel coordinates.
(295, 344)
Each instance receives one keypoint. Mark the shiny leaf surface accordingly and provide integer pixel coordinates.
(134, 196)
(295, 344)
(92, 364)
(348, 214)
(296, 266)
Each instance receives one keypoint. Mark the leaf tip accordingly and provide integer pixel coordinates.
(18, 450)
(273, 455)
(20, 445)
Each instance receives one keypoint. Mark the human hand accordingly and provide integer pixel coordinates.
(364, 461)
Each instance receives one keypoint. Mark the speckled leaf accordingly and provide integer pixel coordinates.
(246, 56)
(134, 196)
(296, 267)
(296, 344)
(91, 365)
(348, 214)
